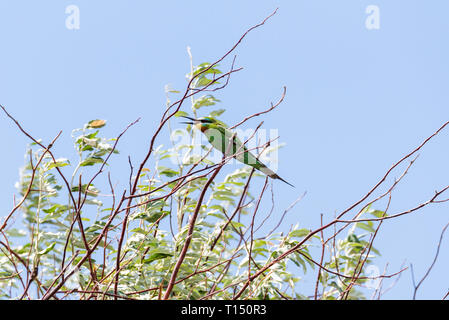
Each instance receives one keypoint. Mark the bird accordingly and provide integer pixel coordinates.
(219, 136)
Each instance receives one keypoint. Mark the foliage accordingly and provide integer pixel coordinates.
(63, 220)
(182, 227)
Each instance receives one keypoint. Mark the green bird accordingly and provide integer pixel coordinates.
(219, 136)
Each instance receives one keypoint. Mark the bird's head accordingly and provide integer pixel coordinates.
(201, 123)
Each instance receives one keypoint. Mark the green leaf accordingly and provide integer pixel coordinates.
(204, 66)
(366, 226)
(91, 161)
(151, 217)
(157, 255)
(168, 172)
(377, 213)
(98, 225)
(208, 100)
(237, 225)
(55, 208)
(223, 198)
(217, 215)
(95, 124)
(201, 72)
(61, 162)
(15, 233)
(353, 238)
(181, 114)
(299, 233)
(92, 191)
(47, 250)
(296, 259)
(216, 113)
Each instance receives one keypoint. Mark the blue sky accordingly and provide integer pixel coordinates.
(357, 99)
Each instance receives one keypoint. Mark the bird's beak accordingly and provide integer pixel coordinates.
(192, 119)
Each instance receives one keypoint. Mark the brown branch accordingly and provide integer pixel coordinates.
(33, 174)
(416, 287)
(273, 106)
(338, 218)
(323, 247)
(189, 235)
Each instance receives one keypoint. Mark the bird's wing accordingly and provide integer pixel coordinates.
(221, 137)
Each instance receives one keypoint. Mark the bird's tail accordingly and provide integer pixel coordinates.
(273, 175)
